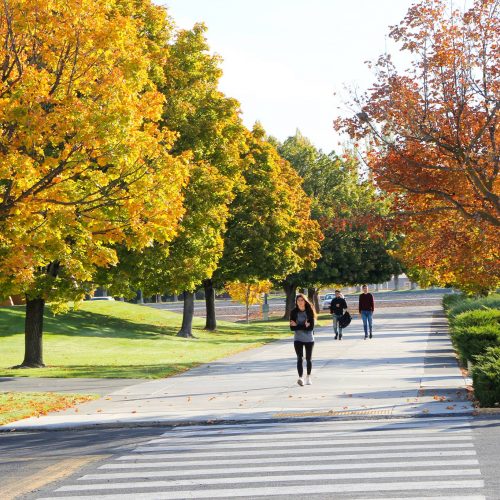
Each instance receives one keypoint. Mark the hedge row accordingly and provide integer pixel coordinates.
(475, 332)
(486, 377)
(455, 303)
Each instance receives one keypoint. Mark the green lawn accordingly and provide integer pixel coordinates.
(116, 339)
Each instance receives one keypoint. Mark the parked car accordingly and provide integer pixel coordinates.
(101, 298)
(327, 300)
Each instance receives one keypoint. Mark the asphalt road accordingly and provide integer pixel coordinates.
(417, 458)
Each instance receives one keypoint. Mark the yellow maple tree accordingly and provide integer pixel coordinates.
(248, 293)
(84, 163)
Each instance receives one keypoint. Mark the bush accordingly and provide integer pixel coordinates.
(476, 318)
(452, 299)
(457, 307)
(472, 341)
(486, 377)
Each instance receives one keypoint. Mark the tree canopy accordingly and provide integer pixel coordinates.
(433, 140)
(341, 199)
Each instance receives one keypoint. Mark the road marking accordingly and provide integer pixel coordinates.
(285, 490)
(246, 465)
(224, 441)
(258, 479)
(281, 449)
(284, 468)
(291, 457)
(59, 470)
(267, 479)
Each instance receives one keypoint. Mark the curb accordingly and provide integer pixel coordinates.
(222, 421)
(486, 411)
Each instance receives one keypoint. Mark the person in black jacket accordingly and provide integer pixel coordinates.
(337, 307)
(302, 320)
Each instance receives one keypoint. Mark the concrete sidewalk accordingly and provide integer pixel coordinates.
(407, 369)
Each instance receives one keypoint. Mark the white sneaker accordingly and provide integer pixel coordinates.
(300, 381)
(308, 380)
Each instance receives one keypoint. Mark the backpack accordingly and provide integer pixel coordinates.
(345, 320)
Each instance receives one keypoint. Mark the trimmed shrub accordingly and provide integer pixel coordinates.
(486, 377)
(476, 318)
(472, 341)
(452, 299)
(460, 306)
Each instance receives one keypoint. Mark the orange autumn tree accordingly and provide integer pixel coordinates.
(83, 162)
(432, 135)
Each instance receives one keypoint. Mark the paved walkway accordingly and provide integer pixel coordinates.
(407, 369)
(100, 386)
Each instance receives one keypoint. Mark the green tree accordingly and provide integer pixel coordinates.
(340, 201)
(270, 233)
(211, 137)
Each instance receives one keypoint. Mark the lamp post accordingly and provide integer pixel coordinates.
(265, 309)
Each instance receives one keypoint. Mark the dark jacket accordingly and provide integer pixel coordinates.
(337, 306)
(366, 302)
(310, 320)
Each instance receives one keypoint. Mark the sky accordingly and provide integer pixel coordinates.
(288, 62)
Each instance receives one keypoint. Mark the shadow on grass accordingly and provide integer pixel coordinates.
(93, 324)
(11, 321)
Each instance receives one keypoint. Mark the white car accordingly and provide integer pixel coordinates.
(101, 298)
(327, 300)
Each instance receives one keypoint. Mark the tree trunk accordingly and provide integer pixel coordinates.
(413, 285)
(290, 289)
(247, 303)
(186, 330)
(316, 300)
(313, 297)
(377, 287)
(211, 321)
(33, 331)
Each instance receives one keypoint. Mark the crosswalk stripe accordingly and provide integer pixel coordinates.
(285, 490)
(455, 497)
(253, 479)
(291, 448)
(291, 457)
(335, 465)
(225, 441)
(293, 443)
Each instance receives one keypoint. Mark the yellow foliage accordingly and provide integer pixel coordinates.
(84, 161)
(248, 293)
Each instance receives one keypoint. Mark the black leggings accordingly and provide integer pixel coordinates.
(300, 356)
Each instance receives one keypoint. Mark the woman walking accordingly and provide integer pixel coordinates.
(302, 320)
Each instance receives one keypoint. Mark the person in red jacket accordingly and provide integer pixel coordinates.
(366, 308)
